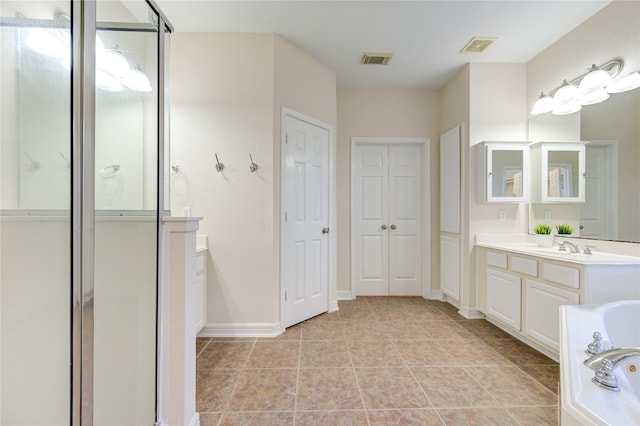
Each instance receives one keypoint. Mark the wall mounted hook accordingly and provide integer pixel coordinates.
(219, 165)
(253, 166)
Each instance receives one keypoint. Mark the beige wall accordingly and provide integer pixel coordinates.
(227, 93)
(381, 113)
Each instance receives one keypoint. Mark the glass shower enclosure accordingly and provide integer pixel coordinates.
(83, 140)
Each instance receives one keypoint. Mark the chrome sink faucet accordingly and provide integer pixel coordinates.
(572, 247)
(606, 362)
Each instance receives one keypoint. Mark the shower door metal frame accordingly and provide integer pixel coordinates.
(83, 125)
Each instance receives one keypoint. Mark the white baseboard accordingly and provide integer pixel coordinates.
(435, 295)
(470, 313)
(345, 295)
(195, 421)
(333, 306)
(241, 330)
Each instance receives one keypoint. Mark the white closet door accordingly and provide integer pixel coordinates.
(371, 244)
(405, 212)
(387, 244)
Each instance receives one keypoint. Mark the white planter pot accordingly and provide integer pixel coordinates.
(544, 240)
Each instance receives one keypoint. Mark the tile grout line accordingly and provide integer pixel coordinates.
(295, 399)
(355, 375)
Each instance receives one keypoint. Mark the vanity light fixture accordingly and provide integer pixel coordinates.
(590, 88)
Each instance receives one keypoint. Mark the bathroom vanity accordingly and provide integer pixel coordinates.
(521, 286)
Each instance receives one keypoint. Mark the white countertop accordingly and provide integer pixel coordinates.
(532, 249)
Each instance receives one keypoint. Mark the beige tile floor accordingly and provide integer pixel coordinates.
(377, 361)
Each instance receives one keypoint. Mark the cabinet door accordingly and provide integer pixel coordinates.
(563, 173)
(542, 311)
(505, 173)
(503, 298)
(450, 266)
(450, 181)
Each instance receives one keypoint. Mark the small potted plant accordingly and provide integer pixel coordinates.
(564, 229)
(544, 237)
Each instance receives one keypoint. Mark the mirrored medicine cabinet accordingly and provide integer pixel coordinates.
(503, 172)
(558, 172)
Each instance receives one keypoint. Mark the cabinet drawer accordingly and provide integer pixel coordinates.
(563, 275)
(524, 266)
(497, 259)
(199, 264)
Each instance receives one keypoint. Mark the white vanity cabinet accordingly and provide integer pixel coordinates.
(558, 172)
(200, 290)
(521, 292)
(503, 172)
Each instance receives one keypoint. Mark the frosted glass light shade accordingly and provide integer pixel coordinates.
(594, 97)
(596, 79)
(567, 108)
(626, 83)
(107, 82)
(566, 93)
(54, 42)
(543, 105)
(112, 63)
(137, 80)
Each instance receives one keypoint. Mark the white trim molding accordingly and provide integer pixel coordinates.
(345, 295)
(238, 329)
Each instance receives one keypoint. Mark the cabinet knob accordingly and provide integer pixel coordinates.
(383, 227)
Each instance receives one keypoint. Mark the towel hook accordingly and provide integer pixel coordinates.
(219, 165)
(253, 166)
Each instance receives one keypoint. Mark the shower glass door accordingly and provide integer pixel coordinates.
(80, 189)
(126, 214)
(35, 221)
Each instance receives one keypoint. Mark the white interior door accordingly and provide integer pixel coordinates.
(306, 240)
(405, 207)
(387, 211)
(597, 213)
(371, 213)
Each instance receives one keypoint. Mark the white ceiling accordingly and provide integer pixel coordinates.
(425, 36)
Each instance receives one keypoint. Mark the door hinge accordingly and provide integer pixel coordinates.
(286, 138)
(285, 296)
(286, 216)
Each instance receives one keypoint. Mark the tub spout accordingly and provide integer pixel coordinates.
(615, 355)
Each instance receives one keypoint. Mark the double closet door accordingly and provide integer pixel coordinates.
(387, 220)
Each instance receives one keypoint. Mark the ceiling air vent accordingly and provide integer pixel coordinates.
(478, 45)
(376, 58)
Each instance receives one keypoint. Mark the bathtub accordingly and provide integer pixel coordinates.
(581, 401)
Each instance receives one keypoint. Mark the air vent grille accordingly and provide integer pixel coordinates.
(478, 44)
(376, 58)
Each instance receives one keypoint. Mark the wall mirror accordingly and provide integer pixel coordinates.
(611, 210)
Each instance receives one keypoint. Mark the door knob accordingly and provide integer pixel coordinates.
(325, 230)
(393, 227)
(384, 227)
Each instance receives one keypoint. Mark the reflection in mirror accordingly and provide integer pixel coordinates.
(611, 210)
(562, 172)
(506, 169)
